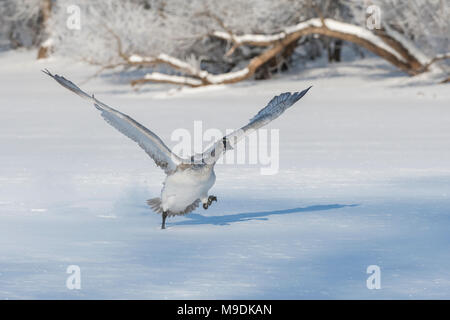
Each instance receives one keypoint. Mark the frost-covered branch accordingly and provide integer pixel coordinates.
(242, 38)
(389, 44)
(439, 57)
(193, 77)
(197, 77)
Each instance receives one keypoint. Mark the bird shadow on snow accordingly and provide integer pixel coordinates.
(196, 219)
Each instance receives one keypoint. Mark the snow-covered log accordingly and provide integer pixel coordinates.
(388, 44)
(198, 77)
(166, 78)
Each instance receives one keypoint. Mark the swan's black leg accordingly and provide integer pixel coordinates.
(164, 216)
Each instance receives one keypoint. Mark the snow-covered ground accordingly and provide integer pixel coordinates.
(364, 180)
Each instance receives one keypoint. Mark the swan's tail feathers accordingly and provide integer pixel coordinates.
(155, 204)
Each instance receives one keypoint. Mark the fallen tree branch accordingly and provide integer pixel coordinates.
(387, 43)
(437, 58)
(166, 78)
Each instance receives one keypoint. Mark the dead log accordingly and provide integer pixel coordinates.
(382, 44)
(387, 44)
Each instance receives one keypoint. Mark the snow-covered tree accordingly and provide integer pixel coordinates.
(19, 23)
(201, 42)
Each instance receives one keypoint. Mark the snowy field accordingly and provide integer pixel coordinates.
(364, 179)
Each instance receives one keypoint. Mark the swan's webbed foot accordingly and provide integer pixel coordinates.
(209, 202)
(211, 199)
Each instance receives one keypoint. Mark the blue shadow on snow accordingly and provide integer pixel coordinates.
(196, 218)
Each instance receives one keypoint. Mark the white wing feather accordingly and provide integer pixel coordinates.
(145, 138)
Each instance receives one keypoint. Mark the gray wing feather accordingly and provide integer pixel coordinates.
(145, 138)
(278, 105)
(194, 205)
(273, 110)
(155, 204)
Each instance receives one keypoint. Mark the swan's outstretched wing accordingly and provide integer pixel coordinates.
(273, 110)
(145, 138)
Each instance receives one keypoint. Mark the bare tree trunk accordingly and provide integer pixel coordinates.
(334, 49)
(336, 52)
(44, 17)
